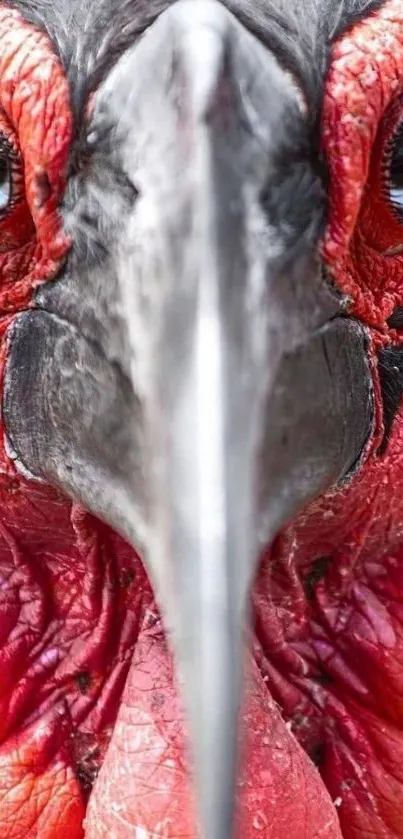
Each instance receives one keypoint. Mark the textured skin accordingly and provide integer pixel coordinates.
(35, 118)
(364, 81)
(76, 612)
(71, 622)
(148, 746)
(74, 623)
(336, 667)
(34, 99)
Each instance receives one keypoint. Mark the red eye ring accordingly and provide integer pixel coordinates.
(364, 79)
(36, 119)
(34, 96)
(380, 218)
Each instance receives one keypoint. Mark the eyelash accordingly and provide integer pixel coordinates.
(10, 155)
(16, 222)
(393, 147)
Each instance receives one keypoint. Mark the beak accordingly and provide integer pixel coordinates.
(197, 332)
(254, 395)
(211, 320)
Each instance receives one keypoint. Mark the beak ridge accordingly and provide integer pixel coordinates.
(207, 367)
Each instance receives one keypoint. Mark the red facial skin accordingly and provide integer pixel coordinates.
(77, 616)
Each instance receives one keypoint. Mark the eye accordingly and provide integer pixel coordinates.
(5, 181)
(395, 175)
(11, 175)
(16, 222)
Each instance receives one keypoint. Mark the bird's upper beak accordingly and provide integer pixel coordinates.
(243, 394)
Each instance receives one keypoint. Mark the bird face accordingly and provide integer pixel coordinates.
(200, 299)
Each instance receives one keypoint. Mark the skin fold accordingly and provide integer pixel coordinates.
(94, 734)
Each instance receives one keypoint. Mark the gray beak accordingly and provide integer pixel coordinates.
(251, 394)
(199, 295)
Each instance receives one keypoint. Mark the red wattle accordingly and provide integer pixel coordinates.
(144, 787)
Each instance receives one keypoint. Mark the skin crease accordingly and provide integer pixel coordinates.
(328, 606)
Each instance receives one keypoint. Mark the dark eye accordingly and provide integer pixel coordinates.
(395, 177)
(5, 181)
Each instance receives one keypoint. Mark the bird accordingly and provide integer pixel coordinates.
(201, 458)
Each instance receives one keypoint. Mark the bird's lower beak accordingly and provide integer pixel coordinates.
(245, 377)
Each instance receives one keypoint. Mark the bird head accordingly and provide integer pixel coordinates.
(201, 226)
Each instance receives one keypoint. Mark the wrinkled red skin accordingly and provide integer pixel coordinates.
(363, 90)
(86, 680)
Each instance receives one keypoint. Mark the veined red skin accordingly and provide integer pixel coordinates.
(77, 617)
(86, 678)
